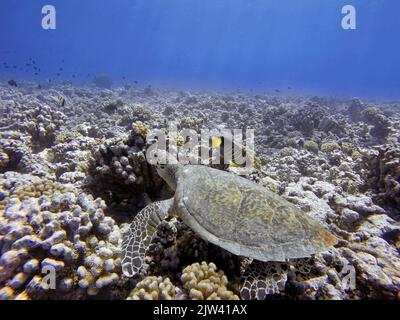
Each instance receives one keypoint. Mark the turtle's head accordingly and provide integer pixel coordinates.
(168, 173)
(166, 165)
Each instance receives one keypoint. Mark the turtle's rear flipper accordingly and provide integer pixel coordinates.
(303, 266)
(263, 278)
(141, 231)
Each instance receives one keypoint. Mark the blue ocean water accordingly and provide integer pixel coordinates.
(259, 45)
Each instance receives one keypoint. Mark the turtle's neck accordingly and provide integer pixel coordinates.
(168, 173)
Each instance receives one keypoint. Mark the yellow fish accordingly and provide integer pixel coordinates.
(216, 142)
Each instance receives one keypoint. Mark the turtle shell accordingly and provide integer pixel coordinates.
(245, 218)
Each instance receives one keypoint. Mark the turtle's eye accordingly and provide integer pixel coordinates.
(160, 165)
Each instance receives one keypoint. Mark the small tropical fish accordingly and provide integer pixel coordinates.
(61, 100)
(234, 165)
(216, 142)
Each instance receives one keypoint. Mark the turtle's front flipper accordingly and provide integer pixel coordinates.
(263, 278)
(141, 231)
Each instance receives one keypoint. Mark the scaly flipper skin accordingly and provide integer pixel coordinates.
(260, 279)
(141, 232)
(263, 278)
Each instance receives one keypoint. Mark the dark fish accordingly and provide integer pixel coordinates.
(73, 76)
(14, 67)
(61, 101)
(36, 73)
(12, 83)
(28, 64)
(61, 69)
(57, 74)
(39, 86)
(290, 88)
(277, 90)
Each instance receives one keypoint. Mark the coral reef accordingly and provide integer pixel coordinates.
(204, 282)
(44, 225)
(72, 176)
(381, 124)
(197, 282)
(153, 288)
(384, 174)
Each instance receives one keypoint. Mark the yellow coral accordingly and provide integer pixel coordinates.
(67, 136)
(153, 288)
(140, 128)
(203, 281)
(37, 189)
(356, 155)
(177, 138)
(287, 151)
(311, 146)
(330, 146)
(4, 160)
(347, 148)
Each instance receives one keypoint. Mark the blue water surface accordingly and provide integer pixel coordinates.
(259, 45)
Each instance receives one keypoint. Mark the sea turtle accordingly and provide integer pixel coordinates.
(234, 213)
